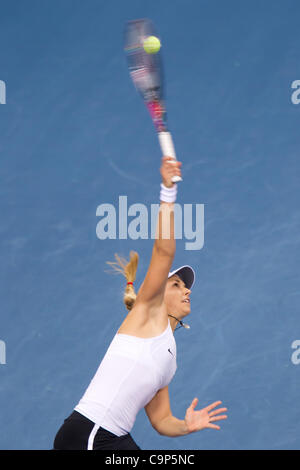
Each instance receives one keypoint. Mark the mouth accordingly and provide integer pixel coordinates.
(186, 301)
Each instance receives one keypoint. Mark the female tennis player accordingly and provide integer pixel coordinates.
(141, 359)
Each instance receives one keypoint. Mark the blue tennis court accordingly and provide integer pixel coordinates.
(74, 135)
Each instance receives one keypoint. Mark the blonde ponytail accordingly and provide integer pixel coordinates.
(128, 269)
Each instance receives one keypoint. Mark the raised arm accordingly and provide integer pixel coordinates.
(152, 289)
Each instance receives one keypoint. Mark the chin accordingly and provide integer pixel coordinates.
(185, 314)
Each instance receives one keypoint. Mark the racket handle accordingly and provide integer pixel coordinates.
(167, 148)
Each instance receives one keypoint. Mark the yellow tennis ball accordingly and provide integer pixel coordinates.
(151, 45)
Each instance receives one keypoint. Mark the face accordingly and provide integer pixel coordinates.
(177, 297)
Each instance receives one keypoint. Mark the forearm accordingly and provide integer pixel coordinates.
(172, 427)
(164, 235)
(164, 238)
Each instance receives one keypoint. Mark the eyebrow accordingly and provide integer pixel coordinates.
(177, 279)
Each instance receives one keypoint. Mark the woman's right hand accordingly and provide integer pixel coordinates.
(169, 169)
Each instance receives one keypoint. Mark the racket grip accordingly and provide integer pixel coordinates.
(167, 148)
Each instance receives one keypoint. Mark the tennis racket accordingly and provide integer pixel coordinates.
(146, 72)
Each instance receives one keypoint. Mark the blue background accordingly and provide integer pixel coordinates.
(74, 134)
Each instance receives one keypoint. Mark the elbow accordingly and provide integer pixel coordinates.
(162, 426)
(157, 429)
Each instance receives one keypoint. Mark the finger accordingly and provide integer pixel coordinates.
(213, 426)
(171, 160)
(173, 172)
(194, 403)
(220, 410)
(217, 418)
(173, 164)
(213, 405)
(172, 169)
(166, 158)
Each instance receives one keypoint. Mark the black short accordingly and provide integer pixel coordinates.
(79, 433)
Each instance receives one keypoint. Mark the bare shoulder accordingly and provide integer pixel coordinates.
(144, 322)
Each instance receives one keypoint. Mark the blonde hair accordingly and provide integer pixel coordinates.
(128, 269)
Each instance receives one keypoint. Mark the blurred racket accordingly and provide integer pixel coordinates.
(146, 72)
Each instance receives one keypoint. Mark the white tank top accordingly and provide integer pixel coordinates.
(131, 372)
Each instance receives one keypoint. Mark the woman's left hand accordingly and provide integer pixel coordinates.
(201, 419)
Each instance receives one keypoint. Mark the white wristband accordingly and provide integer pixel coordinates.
(168, 194)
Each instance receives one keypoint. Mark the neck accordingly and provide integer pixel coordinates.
(173, 322)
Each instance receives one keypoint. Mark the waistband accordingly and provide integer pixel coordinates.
(76, 416)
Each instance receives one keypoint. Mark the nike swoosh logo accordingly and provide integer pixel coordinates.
(170, 352)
